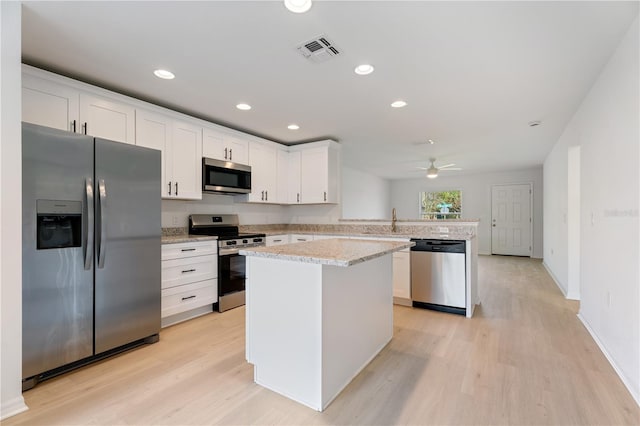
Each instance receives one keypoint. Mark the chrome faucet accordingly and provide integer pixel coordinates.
(393, 220)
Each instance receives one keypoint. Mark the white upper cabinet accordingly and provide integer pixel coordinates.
(49, 104)
(154, 131)
(294, 178)
(181, 147)
(301, 174)
(238, 150)
(186, 164)
(263, 162)
(282, 171)
(222, 146)
(107, 119)
(320, 173)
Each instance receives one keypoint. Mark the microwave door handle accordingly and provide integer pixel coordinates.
(88, 230)
(102, 201)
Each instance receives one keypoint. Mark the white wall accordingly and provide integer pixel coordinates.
(11, 401)
(476, 199)
(607, 129)
(364, 196)
(556, 257)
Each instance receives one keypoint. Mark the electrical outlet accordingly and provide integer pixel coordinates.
(551, 251)
(443, 229)
(174, 220)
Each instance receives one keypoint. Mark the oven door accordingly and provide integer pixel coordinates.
(225, 177)
(231, 281)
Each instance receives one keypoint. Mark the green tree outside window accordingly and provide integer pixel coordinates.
(441, 205)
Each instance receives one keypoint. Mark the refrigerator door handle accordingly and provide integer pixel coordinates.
(88, 224)
(102, 200)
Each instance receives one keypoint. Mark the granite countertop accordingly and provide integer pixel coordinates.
(334, 252)
(399, 235)
(186, 238)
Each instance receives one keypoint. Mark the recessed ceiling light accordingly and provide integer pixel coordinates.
(535, 123)
(167, 75)
(244, 107)
(364, 69)
(399, 104)
(293, 127)
(298, 6)
(431, 141)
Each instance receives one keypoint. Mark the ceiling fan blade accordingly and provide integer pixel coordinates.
(447, 165)
(422, 168)
(450, 169)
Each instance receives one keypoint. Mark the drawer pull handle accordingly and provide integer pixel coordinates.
(188, 270)
(189, 297)
(190, 249)
(277, 241)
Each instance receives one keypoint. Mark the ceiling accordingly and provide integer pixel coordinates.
(474, 74)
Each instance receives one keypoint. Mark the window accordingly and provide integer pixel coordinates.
(441, 205)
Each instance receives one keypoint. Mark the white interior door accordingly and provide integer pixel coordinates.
(511, 219)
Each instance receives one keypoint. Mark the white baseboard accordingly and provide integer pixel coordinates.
(555, 280)
(402, 301)
(12, 407)
(634, 392)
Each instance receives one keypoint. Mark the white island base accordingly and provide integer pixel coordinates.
(311, 328)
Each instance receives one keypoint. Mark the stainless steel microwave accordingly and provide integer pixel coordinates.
(225, 177)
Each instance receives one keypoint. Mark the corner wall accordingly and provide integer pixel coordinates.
(606, 126)
(476, 199)
(11, 401)
(364, 196)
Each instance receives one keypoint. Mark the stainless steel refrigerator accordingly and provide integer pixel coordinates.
(90, 249)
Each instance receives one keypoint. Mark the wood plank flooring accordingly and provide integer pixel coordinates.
(524, 359)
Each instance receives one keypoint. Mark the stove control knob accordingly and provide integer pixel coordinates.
(245, 241)
(231, 243)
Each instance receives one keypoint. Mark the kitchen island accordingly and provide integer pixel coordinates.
(317, 313)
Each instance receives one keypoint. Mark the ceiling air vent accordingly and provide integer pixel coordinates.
(319, 49)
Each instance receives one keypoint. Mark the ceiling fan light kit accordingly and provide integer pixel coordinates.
(432, 171)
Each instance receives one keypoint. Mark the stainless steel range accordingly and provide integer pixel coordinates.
(231, 266)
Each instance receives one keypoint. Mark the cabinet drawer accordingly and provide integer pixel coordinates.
(184, 271)
(186, 297)
(196, 248)
(277, 240)
(299, 238)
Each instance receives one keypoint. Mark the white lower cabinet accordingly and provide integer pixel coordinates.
(300, 238)
(402, 277)
(277, 240)
(189, 280)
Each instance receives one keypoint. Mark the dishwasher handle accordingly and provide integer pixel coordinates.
(442, 246)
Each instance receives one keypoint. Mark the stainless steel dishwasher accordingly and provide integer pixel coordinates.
(438, 275)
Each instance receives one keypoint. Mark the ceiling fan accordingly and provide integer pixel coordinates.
(432, 170)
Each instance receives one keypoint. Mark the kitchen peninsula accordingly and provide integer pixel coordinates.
(317, 314)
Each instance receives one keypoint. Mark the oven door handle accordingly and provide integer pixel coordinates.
(227, 252)
(232, 251)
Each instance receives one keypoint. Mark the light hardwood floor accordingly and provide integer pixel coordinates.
(524, 359)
